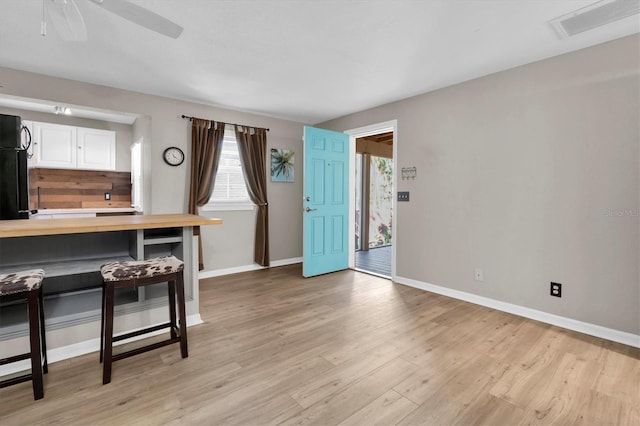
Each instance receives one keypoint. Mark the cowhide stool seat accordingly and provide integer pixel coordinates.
(28, 284)
(128, 274)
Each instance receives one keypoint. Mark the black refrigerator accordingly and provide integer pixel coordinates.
(14, 186)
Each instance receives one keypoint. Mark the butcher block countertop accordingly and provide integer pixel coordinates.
(30, 227)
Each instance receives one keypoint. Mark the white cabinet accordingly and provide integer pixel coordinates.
(67, 147)
(54, 145)
(96, 149)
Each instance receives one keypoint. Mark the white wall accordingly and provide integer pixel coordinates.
(531, 174)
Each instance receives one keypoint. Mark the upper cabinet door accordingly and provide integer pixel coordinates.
(96, 149)
(54, 145)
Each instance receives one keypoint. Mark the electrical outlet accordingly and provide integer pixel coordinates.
(556, 289)
(479, 275)
(403, 196)
(107, 195)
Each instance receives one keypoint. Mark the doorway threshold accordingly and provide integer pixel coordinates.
(364, 271)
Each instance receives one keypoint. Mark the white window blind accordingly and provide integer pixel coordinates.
(229, 188)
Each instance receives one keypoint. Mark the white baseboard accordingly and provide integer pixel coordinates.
(568, 323)
(285, 262)
(246, 268)
(228, 271)
(83, 348)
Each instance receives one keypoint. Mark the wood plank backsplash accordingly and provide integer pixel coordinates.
(74, 189)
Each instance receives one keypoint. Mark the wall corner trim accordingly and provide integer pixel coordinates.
(564, 322)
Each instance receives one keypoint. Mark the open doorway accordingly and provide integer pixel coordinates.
(355, 133)
(374, 177)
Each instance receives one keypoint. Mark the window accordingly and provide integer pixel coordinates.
(229, 188)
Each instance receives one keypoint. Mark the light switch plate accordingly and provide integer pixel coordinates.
(403, 196)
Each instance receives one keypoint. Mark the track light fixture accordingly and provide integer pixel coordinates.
(62, 110)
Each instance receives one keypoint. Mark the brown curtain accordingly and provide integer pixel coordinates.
(252, 146)
(206, 145)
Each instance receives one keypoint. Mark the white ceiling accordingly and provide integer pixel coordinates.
(304, 60)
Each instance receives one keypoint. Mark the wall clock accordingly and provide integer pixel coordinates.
(173, 156)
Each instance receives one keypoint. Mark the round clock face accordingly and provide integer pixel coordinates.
(173, 156)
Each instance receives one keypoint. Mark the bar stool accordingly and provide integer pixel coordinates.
(129, 274)
(29, 282)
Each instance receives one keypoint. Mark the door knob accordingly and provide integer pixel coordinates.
(307, 198)
(309, 209)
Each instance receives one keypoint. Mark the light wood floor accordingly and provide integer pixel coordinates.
(345, 348)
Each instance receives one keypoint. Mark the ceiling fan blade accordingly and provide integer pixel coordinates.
(67, 20)
(141, 16)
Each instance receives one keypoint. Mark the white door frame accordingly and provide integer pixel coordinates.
(373, 129)
(139, 185)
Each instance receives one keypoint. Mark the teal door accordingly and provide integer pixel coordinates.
(326, 201)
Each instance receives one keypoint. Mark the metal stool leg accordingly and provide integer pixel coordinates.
(183, 316)
(103, 307)
(34, 337)
(43, 336)
(171, 289)
(108, 333)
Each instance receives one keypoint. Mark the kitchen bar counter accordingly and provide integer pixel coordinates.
(71, 251)
(26, 227)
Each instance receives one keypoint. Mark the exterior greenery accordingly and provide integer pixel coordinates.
(381, 197)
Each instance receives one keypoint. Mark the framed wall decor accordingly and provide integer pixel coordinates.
(282, 161)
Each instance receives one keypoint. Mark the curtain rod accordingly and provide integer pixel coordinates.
(233, 124)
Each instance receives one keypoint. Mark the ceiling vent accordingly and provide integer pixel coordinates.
(593, 16)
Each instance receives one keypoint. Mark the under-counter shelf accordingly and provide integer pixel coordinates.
(83, 301)
(66, 267)
(170, 237)
(160, 233)
(162, 240)
(59, 309)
